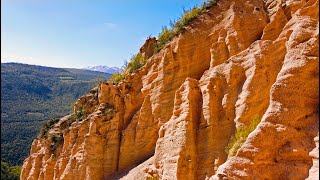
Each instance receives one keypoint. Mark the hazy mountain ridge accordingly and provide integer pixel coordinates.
(105, 69)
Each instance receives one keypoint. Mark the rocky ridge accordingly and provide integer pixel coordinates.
(174, 117)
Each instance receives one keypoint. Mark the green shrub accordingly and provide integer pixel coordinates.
(136, 62)
(109, 110)
(47, 126)
(108, 115)
(117, 78)
(65, 126)
(10, 172)
(241, 135)
(208, 4)
(81, 113)
(187, 17)
(167, 34)
(152, 178)
(56, 140)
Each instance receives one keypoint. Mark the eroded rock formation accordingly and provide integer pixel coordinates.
(174, 117)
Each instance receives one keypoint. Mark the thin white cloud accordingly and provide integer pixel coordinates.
(47, 61)
(15, 58)
(8, 58)
(103, 27)
(110, 25)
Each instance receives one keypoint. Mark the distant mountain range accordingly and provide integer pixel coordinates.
(105, 69)
(31, 95)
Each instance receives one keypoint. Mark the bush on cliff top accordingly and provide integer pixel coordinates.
(241, 135)
(47, 126)
(136, 62)
(166, 35)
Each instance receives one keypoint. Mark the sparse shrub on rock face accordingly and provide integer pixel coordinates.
(152, 178)
(117, 78)
(241, 135)
(82, 113)
(56, 140)
(46, 126)
(165, 36)
(109, 110)
(136, 62)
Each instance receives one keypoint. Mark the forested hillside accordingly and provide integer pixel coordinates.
(31, 95)
(9, 172)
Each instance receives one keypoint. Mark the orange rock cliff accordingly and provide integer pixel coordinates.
(188, 112)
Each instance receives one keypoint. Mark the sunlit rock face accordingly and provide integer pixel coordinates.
(174, 117)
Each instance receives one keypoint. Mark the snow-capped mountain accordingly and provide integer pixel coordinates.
(105, 69)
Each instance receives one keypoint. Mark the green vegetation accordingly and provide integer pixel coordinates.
(71, 119)
(167, 34)
(30, 95)
(164, 37)
(47, 126)
(109, 110)
(241, 135)
(64, 126)
(152, 178)
(117, 78)
(10, 172)
(56, 140)
(82, 113)
(136, 62)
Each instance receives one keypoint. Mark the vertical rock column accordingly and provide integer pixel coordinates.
(176, 153)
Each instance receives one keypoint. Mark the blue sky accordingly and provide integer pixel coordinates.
(80, 33)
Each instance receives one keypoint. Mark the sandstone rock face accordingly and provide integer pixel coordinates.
(174, 117)
(148, 49)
